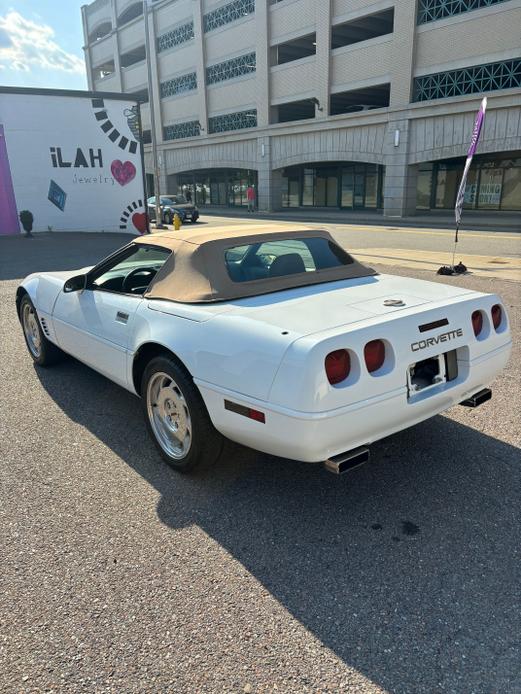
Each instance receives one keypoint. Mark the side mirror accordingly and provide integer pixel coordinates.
(75, 284)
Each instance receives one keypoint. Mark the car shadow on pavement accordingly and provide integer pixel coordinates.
(407, 568)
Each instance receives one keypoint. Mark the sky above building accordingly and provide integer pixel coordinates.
(41, 44)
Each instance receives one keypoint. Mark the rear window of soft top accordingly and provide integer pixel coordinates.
(283, 257)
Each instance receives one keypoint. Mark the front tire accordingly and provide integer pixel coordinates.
(167, 218)
(176, 416)
(43, 352)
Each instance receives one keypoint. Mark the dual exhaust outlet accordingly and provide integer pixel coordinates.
(345, 462)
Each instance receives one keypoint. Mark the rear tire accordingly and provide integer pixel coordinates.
(42, 351)
(176, 416)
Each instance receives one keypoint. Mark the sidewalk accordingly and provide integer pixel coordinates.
(473, 220)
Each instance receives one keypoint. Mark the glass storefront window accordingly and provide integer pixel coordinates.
(371, 189)
(224, 187)
(424, 187)
(358, 190)
(446, 187)
(471, 191)
(490, 188)
(346, 199)
(332, 191)
(343, 185)
(320, 192)
(307, 186)
(290, 198)
(512, 189)
(493, 183)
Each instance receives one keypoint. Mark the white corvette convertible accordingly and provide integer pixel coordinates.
(277, 339)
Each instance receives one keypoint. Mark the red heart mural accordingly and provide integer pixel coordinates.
(139, 220)
(123, 172)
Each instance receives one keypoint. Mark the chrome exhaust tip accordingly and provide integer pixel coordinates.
(344, 462)
(478, 398)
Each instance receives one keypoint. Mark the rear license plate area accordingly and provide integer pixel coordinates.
(426, 374)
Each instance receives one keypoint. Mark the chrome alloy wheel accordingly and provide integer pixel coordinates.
(32, 330)
(169, 415)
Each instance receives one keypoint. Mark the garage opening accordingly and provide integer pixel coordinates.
(363, 28)
(294, 110)
(103, 70)
(365, 99)
(136, 55)
(286, 52)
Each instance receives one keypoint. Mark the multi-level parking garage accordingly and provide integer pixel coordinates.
(338, 103)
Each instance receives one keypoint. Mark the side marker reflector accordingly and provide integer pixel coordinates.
(248, 412)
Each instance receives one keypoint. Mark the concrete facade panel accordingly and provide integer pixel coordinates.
(97, 13)
(176, 61)
(233, 95)
(178, 109)
(232, 40)
(219, 155)
(174, 13)
(501, 133)
(131, 35)
(134, 77)
(291, 18)
(365, 63)
(493, 31)
(293, 80)
(354, 8)
(103, 50)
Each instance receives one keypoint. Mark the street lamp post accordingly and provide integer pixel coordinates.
(155, 160)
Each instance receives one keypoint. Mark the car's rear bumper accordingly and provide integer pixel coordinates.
(316, 436)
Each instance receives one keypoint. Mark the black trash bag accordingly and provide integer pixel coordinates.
(458, 269)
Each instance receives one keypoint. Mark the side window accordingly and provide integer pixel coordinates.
(131, 272)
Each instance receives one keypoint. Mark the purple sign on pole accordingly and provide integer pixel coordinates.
(8, 218)
(478, 124)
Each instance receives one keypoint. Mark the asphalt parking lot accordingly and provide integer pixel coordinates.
(257, 575)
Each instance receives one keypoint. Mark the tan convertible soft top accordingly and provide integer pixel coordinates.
(196, 270)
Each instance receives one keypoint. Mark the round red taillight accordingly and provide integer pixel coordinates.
(497, 316)
(374, 354)
(338, 365)
(477, 322)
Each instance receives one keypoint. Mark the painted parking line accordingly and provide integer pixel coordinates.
(501, 267)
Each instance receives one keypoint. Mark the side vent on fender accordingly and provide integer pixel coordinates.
(45, 327)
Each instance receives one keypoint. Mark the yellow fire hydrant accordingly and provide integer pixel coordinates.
(177, 221)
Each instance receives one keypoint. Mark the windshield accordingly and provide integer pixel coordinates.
(284, 257)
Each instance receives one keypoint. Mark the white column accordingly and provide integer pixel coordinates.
(262, 77)
(155, 93)
(400, 177)
(115, 46)
(201, 64)
(86, 48)
(323, 39)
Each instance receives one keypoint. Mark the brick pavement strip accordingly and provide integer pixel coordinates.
(117, 575)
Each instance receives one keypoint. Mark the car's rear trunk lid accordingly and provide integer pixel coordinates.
(308, 310)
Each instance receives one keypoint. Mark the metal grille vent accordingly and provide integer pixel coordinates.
(45, 327)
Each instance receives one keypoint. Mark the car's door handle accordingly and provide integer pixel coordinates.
(121, 317)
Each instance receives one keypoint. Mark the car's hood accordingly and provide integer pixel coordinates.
(307, 310)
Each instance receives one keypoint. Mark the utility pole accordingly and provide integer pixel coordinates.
(155, 160)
